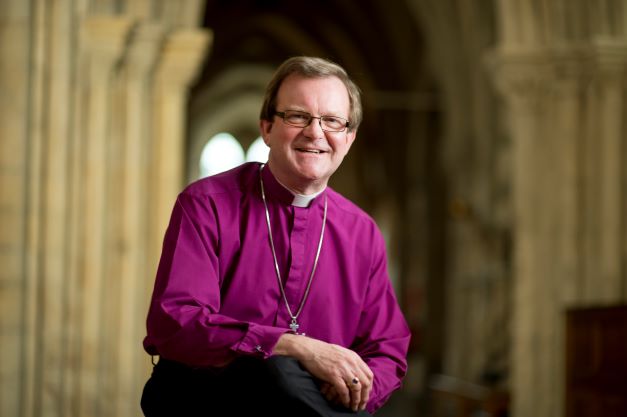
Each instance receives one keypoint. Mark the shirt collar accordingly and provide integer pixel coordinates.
(283, 194)
(301, 200)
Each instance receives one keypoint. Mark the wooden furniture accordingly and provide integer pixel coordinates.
(596, 362)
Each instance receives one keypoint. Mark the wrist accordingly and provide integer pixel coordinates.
(290, 345)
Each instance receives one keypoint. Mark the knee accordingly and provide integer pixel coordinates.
(289, 376)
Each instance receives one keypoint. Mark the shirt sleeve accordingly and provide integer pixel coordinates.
(184, 321)
(383, 335)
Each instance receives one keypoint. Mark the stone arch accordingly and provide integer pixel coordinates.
(231, 103)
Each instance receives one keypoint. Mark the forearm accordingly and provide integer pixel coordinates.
(295, 346)
(197, 337)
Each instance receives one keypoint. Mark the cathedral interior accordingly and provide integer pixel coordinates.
(492, 156)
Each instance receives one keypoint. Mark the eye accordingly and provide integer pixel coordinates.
(333, 121)
(297, 117)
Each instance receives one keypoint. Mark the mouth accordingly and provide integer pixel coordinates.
(311, 151)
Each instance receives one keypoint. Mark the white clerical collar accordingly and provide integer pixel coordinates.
(301, 200)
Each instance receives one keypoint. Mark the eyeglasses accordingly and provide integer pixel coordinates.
(303, 119)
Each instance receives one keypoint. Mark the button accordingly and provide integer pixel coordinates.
(258, 348)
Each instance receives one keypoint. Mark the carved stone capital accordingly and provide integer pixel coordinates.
(181, 57)
(534, 74)
(105, 37)
(143, 52)
(527, 74)
(608, 58)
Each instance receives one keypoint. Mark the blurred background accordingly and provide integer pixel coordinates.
(492, 156)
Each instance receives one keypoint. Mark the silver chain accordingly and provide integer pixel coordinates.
(294, 325)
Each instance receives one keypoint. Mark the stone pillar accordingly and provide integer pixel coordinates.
(604, 155)
(75, 187)
(179, 63)
(542, 115)
(564, 112)
(14, 150)
(104, 40)
(563, 78)
(128, 266)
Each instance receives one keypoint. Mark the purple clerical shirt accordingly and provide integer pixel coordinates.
(216, 293)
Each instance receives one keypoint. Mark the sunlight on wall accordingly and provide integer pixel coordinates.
(258, 151)
(223, 152)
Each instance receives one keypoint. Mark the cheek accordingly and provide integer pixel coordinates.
(341, 146)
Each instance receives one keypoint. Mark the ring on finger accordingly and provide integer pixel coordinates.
(353, 385)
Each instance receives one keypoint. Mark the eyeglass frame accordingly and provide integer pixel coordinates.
(282, 115)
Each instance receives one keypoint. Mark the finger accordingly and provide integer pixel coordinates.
(366, 389)
(329, 392)
(365, 395)
(364, 373)
(343, 393)
(366, 380)
(355, 391)
(330, 396)
(333, 397)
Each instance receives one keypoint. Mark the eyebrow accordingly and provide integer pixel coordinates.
(334, 114)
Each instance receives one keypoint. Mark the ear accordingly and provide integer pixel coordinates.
(350, 137)
(265, 127)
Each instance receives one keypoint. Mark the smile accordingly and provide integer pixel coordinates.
(314, 151)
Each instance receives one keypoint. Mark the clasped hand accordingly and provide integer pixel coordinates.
(346, 378)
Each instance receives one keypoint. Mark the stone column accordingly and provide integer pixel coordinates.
(180, 61)
(46, 303)
(563, 78)
(75, 155)
(15, 148)
(542, 115)
(103, 44)
(564, 114)
(127, 266)
(604, 154)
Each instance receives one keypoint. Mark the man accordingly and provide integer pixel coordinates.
(272, 294)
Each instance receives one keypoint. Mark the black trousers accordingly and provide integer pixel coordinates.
(277, 386)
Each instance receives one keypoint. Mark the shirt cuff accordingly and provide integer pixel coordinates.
(260, 340)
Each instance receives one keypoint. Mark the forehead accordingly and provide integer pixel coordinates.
(321, 93)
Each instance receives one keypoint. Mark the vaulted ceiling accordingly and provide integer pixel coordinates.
(379, 44)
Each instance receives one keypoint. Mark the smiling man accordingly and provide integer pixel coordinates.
(272, 294)
(304, 155)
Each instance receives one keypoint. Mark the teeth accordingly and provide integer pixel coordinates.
(310, 150)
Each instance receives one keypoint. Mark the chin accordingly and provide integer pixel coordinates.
(313, 174)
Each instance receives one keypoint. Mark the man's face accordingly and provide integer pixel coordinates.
(303, 158)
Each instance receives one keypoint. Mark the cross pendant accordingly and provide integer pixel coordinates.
(294, 326)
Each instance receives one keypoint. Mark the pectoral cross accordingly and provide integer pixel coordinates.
(294, 326)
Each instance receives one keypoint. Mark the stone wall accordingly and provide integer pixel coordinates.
(535, 144)
(92, 139)
(560, 65)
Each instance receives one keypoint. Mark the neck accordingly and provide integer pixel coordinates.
(304, 189)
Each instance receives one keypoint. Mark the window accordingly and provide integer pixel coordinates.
(258, 151)
(221, 153)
